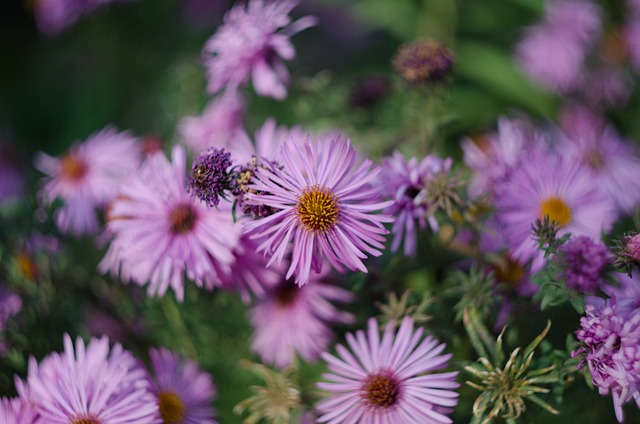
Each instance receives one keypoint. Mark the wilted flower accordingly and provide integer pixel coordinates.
(506, 385)
(90, 385)
(388, 380)
(184, 393)
(584, 263)
(425, 62)
(248, 44)
(87, 177)
(610, 346)
(325, 206)
(211, 176)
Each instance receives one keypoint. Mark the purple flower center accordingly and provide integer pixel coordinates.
(557, 210)
(318, 209)
(209, 177)
(381, 390)
(86, 419)
(286, 293)
(171, 407)
(595, 160)
(182, 219)
(72, 168)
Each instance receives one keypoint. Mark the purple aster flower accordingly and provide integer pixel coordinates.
(16, 411)
(184, 393)
(390, 380)
(210, 176)
(248, 44)
(403, 181)
(584, 264)
(290, 320)
(611, 161)
(325, 208)
(627, 291)
(160, 232)
(10, 305)
(549, 186)
(610, 347)
(497, 155)
(553, 52)
(90, 385)
(218, 126)
(607, 84)
(87, 177)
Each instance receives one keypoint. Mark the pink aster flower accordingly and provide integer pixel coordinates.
(404, 181)
(90, 384)
(248, 44)
(184, 393)
(87, 177)
(390, 380)
(160, 232)
(611, 161)
(218, 126)
(610, 347)
(16, 411)
(549, 186)
(323, 208)
(497, 155)
(290, 320)
(553, 52)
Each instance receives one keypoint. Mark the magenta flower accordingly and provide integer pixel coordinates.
(16, 411)
(553, 52)
(494, 159)
(390, 380)
(611, 161)
(550, 186)
(160, 232)
(218, 126)
(610, 347)
(405, 182)
(184, 393)
(290, 320)
(248, 44)
(90, 385)
(584, 263)
(87, 177)
(324, 208)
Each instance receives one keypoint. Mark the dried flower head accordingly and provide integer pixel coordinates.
(424, 62)
(211, 176)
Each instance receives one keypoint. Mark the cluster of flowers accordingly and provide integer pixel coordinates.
(97, 384)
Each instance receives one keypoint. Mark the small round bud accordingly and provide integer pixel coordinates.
(424, 62)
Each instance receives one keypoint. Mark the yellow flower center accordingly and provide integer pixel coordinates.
(85, 419)
(171, 408)
(71, 167)
(557, 210)
(380, 390)
(318, 209)
(509, 271)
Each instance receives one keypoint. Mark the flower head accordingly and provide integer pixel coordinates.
(325, 208)
(160, 233)
(290, 320)
(390, 380)
(408, 183)
(184, 393)
(91, 384)
(548, 186)
(610, 347)
(424, 62)
(210, 176)
(16, 411)
(87, 177)
(248, 44)
(584, 263)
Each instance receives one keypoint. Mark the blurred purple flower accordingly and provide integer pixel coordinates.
(553, 51)
(610, 347)
(584, 263)
(184, 392)
(547, 185)
(218, 126)
(248, 44)
(290, 320)
(90, 385)
(403, 181)
(632, 39)
(87, 177)
(10, 305)
(160, 232)
(389, 380)
(325, 206)
(54, 16)
(16, 411)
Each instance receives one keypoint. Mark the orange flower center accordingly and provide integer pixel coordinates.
(171, 407)
(72, 167)
(557, 210)
(318, 209)
(182, 219)
(381, 390)
(86, 419)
